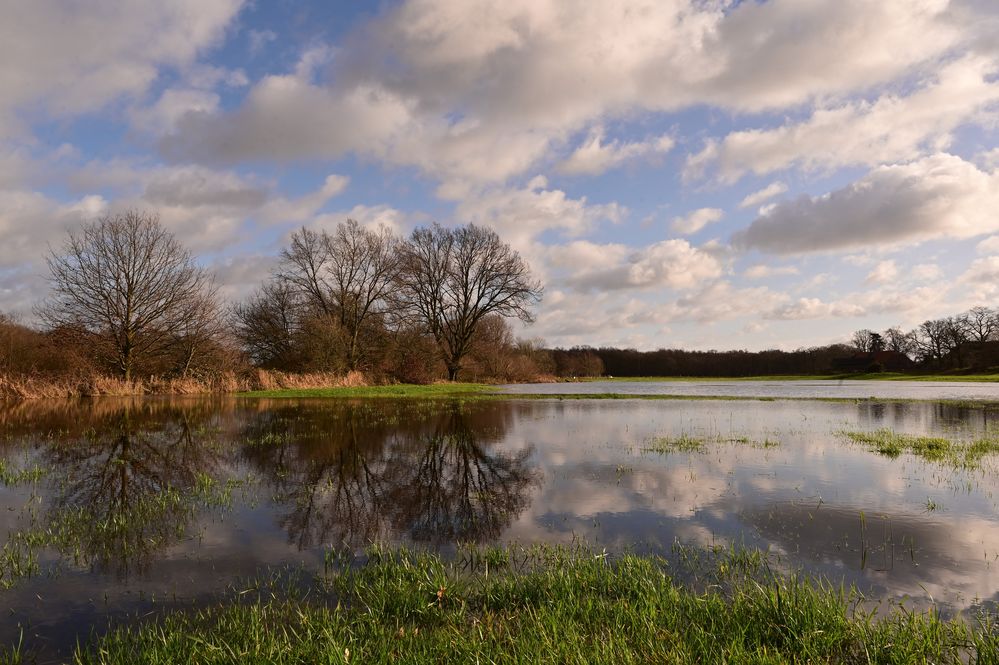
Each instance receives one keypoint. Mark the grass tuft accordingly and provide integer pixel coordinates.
(958, 454)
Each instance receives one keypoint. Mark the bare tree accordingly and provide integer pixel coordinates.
(868, 341)
(125, 279)
(930, 339)
(268, 323)
(981, 323)
(453, 278)
(898, 341)
(346, 276)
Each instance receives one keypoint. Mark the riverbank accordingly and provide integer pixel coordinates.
(549, 604)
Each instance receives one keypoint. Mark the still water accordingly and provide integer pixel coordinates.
(801, 389)
(115, 509)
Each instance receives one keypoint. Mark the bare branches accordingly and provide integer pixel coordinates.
(452, 278)
(346, 276)
(127, 279)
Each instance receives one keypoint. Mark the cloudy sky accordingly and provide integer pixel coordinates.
(695, 173)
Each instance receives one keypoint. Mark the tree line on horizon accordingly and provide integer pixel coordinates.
(128, 300)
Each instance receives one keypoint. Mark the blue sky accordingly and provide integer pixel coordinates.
(693, 173)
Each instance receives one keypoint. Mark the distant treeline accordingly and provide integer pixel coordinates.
(583, 361)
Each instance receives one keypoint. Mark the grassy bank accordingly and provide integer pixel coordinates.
(556, 606)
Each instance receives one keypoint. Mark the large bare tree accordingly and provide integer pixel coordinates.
(453, 278)
(126, 280)
(346, 276)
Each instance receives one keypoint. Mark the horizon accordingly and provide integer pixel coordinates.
(703, 175)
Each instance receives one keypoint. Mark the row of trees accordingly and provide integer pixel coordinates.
(936, 341)
(125, 292)
(338, 297)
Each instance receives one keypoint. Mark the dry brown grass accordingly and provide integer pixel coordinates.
(46, 387)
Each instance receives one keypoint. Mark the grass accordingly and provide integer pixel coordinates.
(685, 443)
(551, 605)
(959, 454)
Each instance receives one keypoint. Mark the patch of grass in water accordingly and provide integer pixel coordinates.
(959, 454)
(675, 444)
(12, 476)
(686, 443)
(550, 605)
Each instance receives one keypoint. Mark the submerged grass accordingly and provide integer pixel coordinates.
(958, 454)
(686, 443)
(552, 605)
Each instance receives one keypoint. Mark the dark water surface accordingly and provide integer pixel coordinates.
(112, 509)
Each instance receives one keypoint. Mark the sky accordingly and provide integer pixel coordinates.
(705, 174)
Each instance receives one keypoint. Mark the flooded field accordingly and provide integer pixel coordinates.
(797, 389)
(111, 510)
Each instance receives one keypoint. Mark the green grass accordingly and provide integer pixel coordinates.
(551, 605)
(686, 443)
(958, 454)
(395, 390)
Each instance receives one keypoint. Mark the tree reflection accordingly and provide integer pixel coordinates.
(128, 487)
(457, 490)
(353, 473)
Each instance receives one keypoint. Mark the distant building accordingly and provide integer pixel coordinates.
(888, 361)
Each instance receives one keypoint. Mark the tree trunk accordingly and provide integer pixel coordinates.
(452, 371)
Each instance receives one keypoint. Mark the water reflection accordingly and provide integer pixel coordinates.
(125, 490)
(130, 509)
(344, 474)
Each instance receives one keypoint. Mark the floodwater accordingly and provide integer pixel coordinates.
(114, 509)
(797, 389)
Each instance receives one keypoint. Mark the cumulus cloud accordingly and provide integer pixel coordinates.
(674, 264)
(594, 156)
(74, 58)
(523, 214)
(861, 133)
(762, 271)
(937, 196)
(761, 195)
(870, 302)
(884, 272)
(696, 220)
(483, 91)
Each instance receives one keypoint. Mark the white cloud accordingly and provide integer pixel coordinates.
(884, 272)
(696, 220)
(984, 270)
(925, 272)
(934, 197)
(761, 271)
(594, 156)
(988, 246)
(520, 215)
(484, 91)
(674, 264)
(759, 196)
(68, 58)
(862, 133)
(867, 303)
